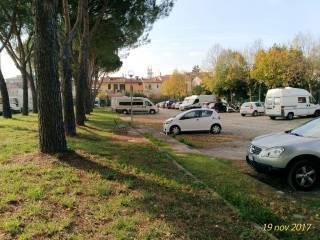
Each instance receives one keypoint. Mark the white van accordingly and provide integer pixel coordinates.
(139, 104)
(196, 101)
(290, 102)
(14, 105)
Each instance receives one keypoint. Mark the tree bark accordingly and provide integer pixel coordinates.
(6, 110)
(33, 89)
(25, 100)
(51, 129)
(67, 98)
(82, 73)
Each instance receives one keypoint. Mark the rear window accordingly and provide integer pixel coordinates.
(276, 101)
(206, 113)
(245, 105)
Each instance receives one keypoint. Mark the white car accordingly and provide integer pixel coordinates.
(194, 120)
(252, 108)
(177, 105)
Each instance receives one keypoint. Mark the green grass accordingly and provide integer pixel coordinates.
(106, 187)
(254, 200)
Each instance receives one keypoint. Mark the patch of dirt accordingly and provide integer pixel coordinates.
(130, 138)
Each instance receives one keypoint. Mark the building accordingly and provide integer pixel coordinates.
(119, 86)
(152, 86)
(14, 84)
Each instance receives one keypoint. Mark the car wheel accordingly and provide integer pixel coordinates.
(125, 111)
(290, 116)
(243, 115)
(175, 130)
(303, 175)
(272, 118)
(152, 111)
(215, 129)
(317, 113)
(255, 113)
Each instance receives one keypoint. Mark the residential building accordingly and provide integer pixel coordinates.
(119, 86)
(152, 86)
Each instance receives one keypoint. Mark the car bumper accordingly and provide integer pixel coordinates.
(261, 167)
(166, 128)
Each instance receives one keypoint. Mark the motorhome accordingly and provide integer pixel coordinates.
(139, 104)
(196, 101)
(290, 102)
(14, 105)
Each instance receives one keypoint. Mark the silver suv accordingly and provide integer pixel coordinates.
(295, 152)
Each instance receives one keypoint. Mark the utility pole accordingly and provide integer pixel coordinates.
(130, 73)
(260, 82)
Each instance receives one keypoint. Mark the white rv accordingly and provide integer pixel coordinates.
(14, 105)
(290, 102)
(196, 101)
(139, 104)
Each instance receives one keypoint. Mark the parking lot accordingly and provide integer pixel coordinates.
(237, 132)
(232, 143)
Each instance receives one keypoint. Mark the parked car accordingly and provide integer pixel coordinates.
(169, 103)
(139, 104)
(177, 105)
(194, 120)
(218, 106)
(295, 153)
(196, 101)
(161, 104)
(290, 102)
(252, 108)
(172, 105)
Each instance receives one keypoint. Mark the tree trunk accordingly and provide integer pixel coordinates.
(25, 104)
(67, 98)
(82, 74)
(6, 110)
(88, 98)
(33, 89)
(51, 130)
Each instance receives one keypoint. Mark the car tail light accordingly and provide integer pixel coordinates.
(282, 109)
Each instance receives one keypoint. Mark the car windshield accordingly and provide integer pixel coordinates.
(310, 129)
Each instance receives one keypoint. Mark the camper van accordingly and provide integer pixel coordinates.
(139, 104)
(14, 105)
(290, 102)
(196, 101)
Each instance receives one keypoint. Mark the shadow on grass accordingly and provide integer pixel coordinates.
(194, 214)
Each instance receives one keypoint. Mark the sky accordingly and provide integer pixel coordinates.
(183, 39)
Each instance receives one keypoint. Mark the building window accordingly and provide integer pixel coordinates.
(122, 87)
(116, 87)
(109, 86)
(157, 85)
